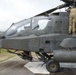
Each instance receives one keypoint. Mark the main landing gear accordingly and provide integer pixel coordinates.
(52, 66)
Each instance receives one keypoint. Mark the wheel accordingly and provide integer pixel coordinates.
(52, 66)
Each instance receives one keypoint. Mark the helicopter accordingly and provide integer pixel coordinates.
(46, 34)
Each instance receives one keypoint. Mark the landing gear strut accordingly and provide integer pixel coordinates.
(51, 65)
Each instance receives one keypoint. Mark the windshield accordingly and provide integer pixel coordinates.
(18, 27)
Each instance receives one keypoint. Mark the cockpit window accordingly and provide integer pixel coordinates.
(23, 27)
(42, 24)
(18, 27)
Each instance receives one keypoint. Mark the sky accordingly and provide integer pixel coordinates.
(12, 11)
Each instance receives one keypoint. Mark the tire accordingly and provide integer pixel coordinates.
(52, 66)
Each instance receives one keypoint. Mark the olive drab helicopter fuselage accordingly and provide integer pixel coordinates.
(46, 34)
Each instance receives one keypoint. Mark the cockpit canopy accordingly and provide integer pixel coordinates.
(35, 23)
(54, 23)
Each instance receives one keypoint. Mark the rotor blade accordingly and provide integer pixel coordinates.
(51, 10)
(69, 1)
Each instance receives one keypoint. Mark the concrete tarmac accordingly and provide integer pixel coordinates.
(15, 66)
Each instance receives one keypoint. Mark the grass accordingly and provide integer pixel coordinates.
(4, 55)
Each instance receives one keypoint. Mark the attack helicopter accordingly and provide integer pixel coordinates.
(46, 34)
